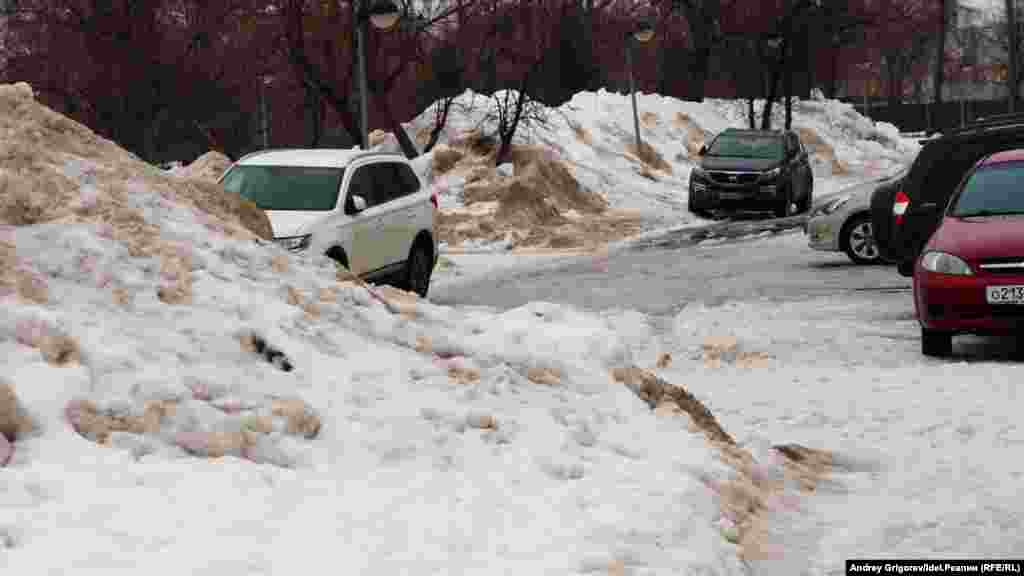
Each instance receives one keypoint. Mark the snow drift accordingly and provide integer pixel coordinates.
(199, 397)
(592, 138)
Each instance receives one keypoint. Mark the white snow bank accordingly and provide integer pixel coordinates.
(923, 441)
(593, 133)
(437, 447)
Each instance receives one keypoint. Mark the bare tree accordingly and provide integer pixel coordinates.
(515, 109)
(1013, 78)
(703, 33)
(940, 58)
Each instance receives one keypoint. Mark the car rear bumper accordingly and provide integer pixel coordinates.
(957, 304)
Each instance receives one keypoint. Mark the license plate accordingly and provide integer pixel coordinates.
(1004, 294)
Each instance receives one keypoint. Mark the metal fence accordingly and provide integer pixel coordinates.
(915, 117)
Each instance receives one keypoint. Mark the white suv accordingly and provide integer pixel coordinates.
(366, 210)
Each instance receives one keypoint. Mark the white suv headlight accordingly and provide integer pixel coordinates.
(944, 263)
(294, 243)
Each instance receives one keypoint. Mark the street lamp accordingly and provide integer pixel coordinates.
(643, 33)
(866, 67)
(265, 81)
(384, 15)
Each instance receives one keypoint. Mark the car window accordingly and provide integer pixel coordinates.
(747, 146)
(410, 182)
(297, 188)
(386, 182)
(940, 168)
(995, 189)
(361, 184)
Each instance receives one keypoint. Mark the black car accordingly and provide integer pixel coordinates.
(752, 170)
(904, 214)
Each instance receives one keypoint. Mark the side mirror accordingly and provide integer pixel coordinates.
(359, 202)
(703, 150)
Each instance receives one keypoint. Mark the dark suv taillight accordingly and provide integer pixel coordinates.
(899, 207)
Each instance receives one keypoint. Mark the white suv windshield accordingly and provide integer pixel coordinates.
(305, 188)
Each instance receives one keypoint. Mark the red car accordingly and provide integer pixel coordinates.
(970, 276)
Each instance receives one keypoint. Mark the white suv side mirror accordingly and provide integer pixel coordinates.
(359, 202)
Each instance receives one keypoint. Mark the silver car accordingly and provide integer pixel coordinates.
(843, 224)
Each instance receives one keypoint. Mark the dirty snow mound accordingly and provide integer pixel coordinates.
(823, 156)
(533, 202)
(209, 167)
(55, 168)
(696, 136)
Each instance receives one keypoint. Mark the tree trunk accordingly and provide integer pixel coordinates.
(940, 58)
(505, 148)
(699, 76)
(893, 68)
(440, 119)
(587, 57)
(312, 110)
(1012, 76)
(766, 113)
(701, 20)
(789, 62)
(408, 148)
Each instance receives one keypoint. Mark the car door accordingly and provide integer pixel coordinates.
(413, 206)
(389, 190)
(807, 175)
(366, 254)
(798, 166)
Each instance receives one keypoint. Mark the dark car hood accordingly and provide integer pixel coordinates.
(738, 164)
(980, 237)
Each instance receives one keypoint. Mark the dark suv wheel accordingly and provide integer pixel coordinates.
(784, 202)
(418, 269)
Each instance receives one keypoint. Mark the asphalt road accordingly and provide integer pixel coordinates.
(662, 276)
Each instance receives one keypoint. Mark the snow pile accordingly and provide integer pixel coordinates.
(210, 166)
(592, 136)
(204, 398)
(840, 138)
(532, 201)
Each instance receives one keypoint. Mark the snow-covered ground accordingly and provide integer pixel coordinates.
(923, 448)
(421, 439)
(137, 334)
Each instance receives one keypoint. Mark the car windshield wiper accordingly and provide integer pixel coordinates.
(982, 213)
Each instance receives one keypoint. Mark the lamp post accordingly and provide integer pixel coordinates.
(866, 67)
(644, 33)
(265, 80)
(384, 15)
(964, 92)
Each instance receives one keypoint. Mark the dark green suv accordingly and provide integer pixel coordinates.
(905, 213)
(752, 170)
